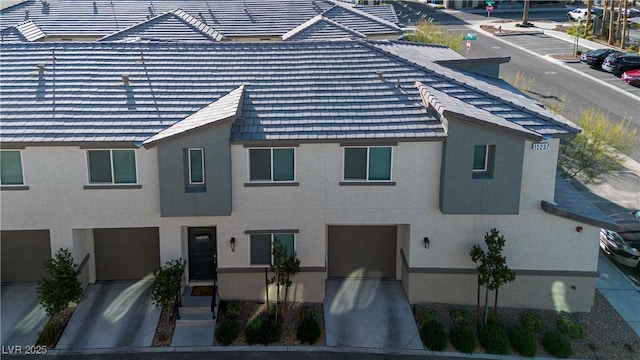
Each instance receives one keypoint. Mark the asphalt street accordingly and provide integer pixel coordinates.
(548, 82)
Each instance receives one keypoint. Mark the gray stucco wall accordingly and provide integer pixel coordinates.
(215, 198)
(460, 193)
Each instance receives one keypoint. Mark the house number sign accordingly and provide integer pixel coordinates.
(541, 146)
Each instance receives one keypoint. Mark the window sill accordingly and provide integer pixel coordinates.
(14, 187)
(110, 186)
(481, 176)
(367, 183)
(258, 184)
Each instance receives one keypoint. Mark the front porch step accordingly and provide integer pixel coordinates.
(195, 314)
(196, 322)
(196, 301)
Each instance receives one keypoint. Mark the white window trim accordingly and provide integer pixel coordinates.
(271, 159)
(486, 160)
(270, 248)
(191, 182)
(24, 181)
(344, 157)
(112, 183)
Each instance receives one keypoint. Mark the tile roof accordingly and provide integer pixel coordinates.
(175, 25)
(224, 109)
(571, 204)
(302, 91)
(24, 31)
(231, 18)
(321, 28)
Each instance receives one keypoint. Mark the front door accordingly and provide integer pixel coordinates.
(203, 259)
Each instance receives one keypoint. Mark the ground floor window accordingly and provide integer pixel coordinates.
(262, 245)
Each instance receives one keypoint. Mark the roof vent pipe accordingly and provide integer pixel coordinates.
(125, 79)
(41, 68)
(379, 75)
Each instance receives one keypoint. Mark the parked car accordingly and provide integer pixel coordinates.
(579, 14)
(615, 246)
(629, 227)
(594, 58)
(632, 77)
(619, 63)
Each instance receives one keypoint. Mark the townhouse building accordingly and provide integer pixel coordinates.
(367, 159)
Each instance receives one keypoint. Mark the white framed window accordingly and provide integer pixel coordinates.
(483, 159)
(272, 165)
(196, 166)
(112, 166)
(261, 247)
(11, 171)
(367, 163)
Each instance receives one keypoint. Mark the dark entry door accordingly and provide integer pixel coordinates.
(203, 259)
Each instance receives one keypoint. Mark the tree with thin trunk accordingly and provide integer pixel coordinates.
(604, 17)
(492, 269)
(285, 266)
(61, 286)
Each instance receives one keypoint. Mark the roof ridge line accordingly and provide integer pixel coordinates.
(353, 9)
(314, 20)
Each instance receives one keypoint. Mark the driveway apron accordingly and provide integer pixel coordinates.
(22, 315)
(369, 313)
(111, 315)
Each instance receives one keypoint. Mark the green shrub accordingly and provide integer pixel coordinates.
(556, 344)
(433, 336)
(463, 339)
(494, 319)
(261, 330)
(523, 341)
(570, 328)
(494, 340)
(254, 330)
(233, 309)
(426, 316)
(272, 311)
(227, 331)
(307, 313)
(459, 316)
(532, 321)
(308, 330)
(49, 335)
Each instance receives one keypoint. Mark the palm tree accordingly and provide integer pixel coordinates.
(525, 13)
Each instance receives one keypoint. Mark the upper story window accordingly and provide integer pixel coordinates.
(262, 247)
(483, 159)
(367, 163)
(112, 166)
(11, 168)
(272, 165)
(196, 166)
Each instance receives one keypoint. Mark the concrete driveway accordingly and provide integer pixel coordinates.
(22, 316)
(112, 315)
(369, 313)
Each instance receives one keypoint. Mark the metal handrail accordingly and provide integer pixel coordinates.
(213, 296)
(177, 303)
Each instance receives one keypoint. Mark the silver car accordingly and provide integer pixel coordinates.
(615, 246)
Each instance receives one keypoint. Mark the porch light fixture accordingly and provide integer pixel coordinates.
(426, 243)
(232, 243)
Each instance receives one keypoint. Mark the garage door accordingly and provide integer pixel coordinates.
(126, 254)
(362, 251)
(23, 255)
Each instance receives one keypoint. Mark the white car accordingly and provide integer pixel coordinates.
(615, 246)
(579, 14)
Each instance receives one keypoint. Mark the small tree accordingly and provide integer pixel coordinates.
(492, 268)
(166, 283)
(62, 286)
(285, 268)
(598, 149)
(431, 33)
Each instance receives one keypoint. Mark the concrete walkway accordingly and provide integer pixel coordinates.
(620, 292)
(369, 313)
(22, 315)
(112, 315)
(196, 326)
